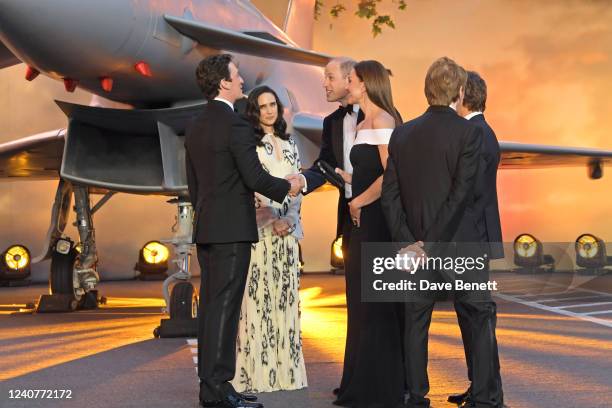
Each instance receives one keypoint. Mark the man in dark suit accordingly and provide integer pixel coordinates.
(429, 197)
(336, 142)
(472, 108)
(223, 170)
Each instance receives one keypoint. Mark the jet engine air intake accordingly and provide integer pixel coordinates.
(134, 151)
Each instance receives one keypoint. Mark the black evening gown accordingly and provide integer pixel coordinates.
(373, 374)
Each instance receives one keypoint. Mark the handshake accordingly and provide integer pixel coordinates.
(297, 184)
(298, 181)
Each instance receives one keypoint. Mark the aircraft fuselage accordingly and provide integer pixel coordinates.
(89, 40)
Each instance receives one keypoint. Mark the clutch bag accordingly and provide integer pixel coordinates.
(330, 174)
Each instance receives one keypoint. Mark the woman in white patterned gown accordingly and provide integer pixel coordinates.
(269, 347)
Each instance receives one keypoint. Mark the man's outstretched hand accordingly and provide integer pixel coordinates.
(297, 184)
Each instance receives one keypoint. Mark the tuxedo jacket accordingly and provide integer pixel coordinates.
(332, 151)
(486, 199)
(223, 170)
(430, 180)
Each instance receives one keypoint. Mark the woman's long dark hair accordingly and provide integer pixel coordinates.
(252, 114)
(378, 86)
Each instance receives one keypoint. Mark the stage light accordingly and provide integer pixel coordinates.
(153, 261)
(528, 255)
(525, 245)
(337, 257)
(338, 248)
(15, 266)
(301, 259)
(587, 246)
(591, 253)
(17, 257)
(155, 252)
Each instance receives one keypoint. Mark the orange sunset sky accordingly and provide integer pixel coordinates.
(549, 73)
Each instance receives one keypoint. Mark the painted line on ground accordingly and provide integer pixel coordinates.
(585, 305)
(598, 312)
(581, 316)
(569, 298)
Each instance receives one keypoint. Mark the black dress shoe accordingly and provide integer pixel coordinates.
(410, 404)
(459, 398)
(247, 397)
(209, 403)
(470, 404)
(230, 401)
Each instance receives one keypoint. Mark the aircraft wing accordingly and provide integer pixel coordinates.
(525, 156)
(513, 155)
(40, 156)
(7, 58)
(37, 157)
(250, 44)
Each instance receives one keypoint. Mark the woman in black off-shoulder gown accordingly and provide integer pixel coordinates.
(373, 375)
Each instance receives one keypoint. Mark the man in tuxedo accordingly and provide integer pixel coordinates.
(339, 130)
(223, 170)
(472, 108)
(336, 140)
(429, 196)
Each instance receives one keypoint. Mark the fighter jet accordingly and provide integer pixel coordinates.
(141, 56)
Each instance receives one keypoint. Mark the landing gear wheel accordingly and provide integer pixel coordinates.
(63, 279)
(156, 332)
(183, 301)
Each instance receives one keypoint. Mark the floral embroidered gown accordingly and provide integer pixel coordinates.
(269, 346)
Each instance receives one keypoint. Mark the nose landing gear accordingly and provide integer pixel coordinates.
(182, 301)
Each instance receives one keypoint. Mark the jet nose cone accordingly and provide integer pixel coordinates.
(65, 37)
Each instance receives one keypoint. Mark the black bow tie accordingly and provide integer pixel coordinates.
(348, 109)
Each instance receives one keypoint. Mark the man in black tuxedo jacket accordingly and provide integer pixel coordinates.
(337, 139)
(429, 196)
(223, 170)
(472, 108)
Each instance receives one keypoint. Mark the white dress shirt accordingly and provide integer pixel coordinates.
(471, 115)
(349, 128)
